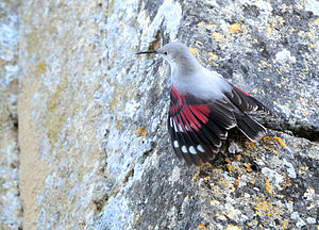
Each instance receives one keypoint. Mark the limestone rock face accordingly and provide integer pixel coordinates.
(10, 203)
(93, 149)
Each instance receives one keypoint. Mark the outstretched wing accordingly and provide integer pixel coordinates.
(197, 126)
(244, 101)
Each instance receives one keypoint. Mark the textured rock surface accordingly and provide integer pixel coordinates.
(92, 116)
(10, 204)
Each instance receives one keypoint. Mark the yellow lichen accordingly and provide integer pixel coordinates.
(284, 7)
(316, 21)
(300, 5)
(110, 7)
(280, 19)
(141, 132)
(201, 227)
(280, 141)
(235, 28)
(54, 125)
(195, 52)
(267, 186)
(80, 174)
(114, 100)
(138, 218)
(247, 166)
(197, 173)
(53, 101)
(55, 119)
(268, 30)
(42, 67)
(303, 169)
(120, 93)
(310, 190)
(230, 214)
(75, 108)
(214, 202)
(301, 33)
(208, 26)
(212, 56)
(236, 183)
(218, 37)
(232, 227)
(250, 145)
(32, 41)
(311, 34)
(230, 168)
(211, 26)
(284, 224)
(117, 123)
(263, 206)
(155, 43)
(223, 181)
(266, 139)
(221, 216)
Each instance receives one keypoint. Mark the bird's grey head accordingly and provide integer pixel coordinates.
(178, 55)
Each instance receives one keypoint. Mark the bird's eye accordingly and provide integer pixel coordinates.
(165, 53)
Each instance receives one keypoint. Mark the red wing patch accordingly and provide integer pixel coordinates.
(243, 92)
(195, 131)
(201, 112)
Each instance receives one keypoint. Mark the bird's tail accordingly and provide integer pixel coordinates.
(249, 127)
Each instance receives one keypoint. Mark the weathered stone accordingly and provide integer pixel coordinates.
(92, 116)
(10, 204)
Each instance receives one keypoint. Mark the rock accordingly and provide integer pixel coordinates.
(93, 150)
(10, 203)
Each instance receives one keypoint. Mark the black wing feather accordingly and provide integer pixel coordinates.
(197, 127)
(245, 102)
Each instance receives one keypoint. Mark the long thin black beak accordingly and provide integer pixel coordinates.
(147, 52)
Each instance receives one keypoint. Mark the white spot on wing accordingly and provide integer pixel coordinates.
(192, 150)
(231, 126)
(171, 122)
(184, 149)
(200, 148)
(180, 127)
(175, 128)
(175, 143)
(224, 136)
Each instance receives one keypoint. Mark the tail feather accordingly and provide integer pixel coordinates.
(249, 127)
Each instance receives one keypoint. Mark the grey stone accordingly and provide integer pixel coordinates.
(10, 203)
(93, 149)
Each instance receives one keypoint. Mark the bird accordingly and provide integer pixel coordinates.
(204, 107)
